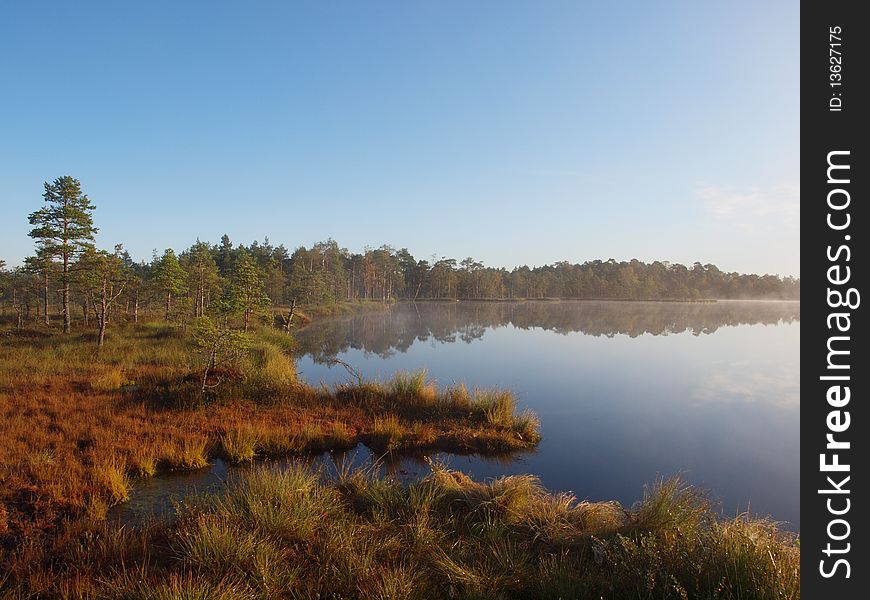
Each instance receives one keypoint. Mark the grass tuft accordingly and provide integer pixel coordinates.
(109, 379)
(190, 455)
(388, 432)
(240, 445)
(111, 475)
(497, 406)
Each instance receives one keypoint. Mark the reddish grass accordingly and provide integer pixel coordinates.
(76, 422)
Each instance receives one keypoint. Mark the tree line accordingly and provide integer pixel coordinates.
(242, 282)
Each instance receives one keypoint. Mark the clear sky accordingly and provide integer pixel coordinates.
(513, 132)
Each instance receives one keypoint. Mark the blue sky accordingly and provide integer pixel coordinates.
(514, 132)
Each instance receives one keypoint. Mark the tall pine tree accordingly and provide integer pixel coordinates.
(63, 229)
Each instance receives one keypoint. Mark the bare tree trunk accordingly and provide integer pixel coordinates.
(201, 299)
(67, 322)
(136, 307)
(102, 320)
(17, 306)
(288, 320)
(209, 366)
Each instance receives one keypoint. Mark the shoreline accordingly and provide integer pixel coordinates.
(139, 384)
(81, 426)
(273, 533)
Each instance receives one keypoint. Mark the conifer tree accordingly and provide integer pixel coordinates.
(247, 289)
(64, 228)
(103, 279)
(169, 277)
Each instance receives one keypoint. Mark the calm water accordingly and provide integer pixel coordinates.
(625, 392)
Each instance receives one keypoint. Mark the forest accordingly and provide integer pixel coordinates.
(67, 270)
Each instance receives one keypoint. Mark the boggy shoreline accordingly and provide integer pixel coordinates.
(81, 423)
(290, 534)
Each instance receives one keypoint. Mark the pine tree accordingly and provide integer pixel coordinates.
(203, 276)
(103, 279)
(169, 277)
(248, 288)
(64, 228)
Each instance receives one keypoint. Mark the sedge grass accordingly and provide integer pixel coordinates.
(289, 533)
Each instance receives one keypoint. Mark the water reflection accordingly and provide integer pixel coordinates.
(626, 391)
(397, 328)
(163, 495)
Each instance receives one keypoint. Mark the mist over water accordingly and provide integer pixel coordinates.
(626, 391)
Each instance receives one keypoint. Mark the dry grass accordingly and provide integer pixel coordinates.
(288, 534)
(76, 424)
(111, 475)
(240, 445)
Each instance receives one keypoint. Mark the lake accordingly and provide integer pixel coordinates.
(626, 391)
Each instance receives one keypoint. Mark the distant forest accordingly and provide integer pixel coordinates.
(67, 269)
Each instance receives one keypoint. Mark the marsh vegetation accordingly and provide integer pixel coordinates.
(291, 534)
(113, 371)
